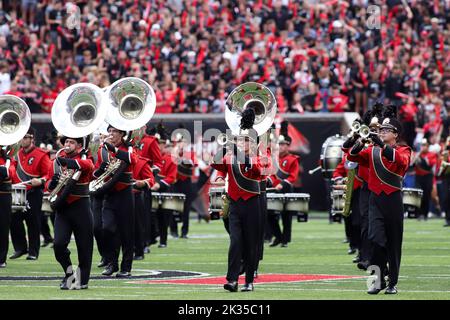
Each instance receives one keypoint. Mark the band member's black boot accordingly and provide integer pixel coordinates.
(231, 286)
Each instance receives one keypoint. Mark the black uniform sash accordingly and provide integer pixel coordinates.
(388, 177)
(80, 190)
(246, 184)
(104, 154)
(184, 170)
(281, 174)
(21, 173)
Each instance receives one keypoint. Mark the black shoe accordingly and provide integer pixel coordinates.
(356, 259)
(174, 234)
(363, 265)
(110, 269)
(391, 290)
(247, 287)
(345, 241)
(146, 250)
(83, 287)
(123, 274)
(231, 286)
(138, 257)
(351, 251)
(17, 254)
(184, 236)
(46, 243)
(2, 265)
(447, 224)
(275, 243)
(30, 257)
(284, 245)
(102, 264)
(162, 245)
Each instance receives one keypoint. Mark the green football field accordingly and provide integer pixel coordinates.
(316, 249)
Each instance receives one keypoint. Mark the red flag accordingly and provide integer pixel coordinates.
(51, 50)
(201, 56)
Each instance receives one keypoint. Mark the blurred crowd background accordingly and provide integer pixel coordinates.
(316, 56)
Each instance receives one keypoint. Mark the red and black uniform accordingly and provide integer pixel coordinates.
(149, 148)
(288, 170)
(245, 217)
(445, 180)
(166, 178)
(142, 172)
(387, 167)
(118, 211)
(185, 171)
(74, 215)
(425, 166)
(31, 164)
(353, 221)
(6, 176)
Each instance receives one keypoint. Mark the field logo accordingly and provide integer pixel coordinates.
(73, 281)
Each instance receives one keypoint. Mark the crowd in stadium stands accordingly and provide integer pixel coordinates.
(316, 56)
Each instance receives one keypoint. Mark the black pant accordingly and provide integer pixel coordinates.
(139, 242)
(45, 228)
(118, 227)
(386, 232)
(96, 209)
(185, 187)
(426, 184)
(366, 246)
(245, 235)
(5, 220)
(32, 218)
(447, 207)
(164, 217)
(286, 219)
(353, 222)
(75, 217)
(150, 223)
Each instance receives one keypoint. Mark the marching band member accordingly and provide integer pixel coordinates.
(74, 216)
(245, 213)
(352, 222)
(185, 168)
(283, 182)
(144, 180)
(6, 174)
(164, 181)
(149, 148)
(425, 166)
(388, 162)
(32, 165)
(118, 205)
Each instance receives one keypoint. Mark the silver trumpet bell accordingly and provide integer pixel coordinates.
(78, 110)
(251, 95)
(131, 103)
(15, 119)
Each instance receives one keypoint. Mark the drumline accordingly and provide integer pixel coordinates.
(276, 202)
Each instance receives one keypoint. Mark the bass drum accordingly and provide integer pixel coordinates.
(412, 200)
(331, 155)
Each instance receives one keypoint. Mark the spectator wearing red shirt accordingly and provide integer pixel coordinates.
(337, 102)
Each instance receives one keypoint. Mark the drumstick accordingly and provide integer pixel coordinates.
(23, 182)
(271, 189)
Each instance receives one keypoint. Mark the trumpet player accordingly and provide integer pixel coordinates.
(32, 165)
(118, 204)
(7, 171)
(425, 166)
(74, 216)
(388, 162)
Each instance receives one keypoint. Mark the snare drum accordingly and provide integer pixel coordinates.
(297, 202)
(156, 200)
(46, 208)
(19, 198)
(172, 201)
(275, 202)
(412, 197)
(338, 201)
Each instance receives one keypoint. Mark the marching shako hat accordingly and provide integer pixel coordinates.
(64, 138)
(392, 124)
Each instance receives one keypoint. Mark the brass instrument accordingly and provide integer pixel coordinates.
(131, 103)
(444, 168)
(15, 120)
(77, 112)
